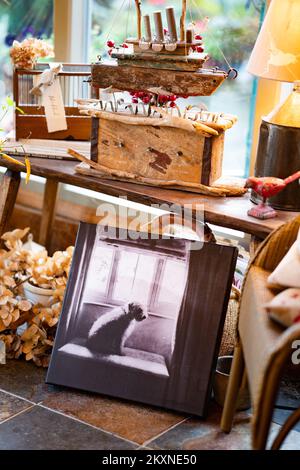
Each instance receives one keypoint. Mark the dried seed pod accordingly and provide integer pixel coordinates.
(24, 305)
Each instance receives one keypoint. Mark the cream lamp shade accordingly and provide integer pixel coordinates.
(276, 54)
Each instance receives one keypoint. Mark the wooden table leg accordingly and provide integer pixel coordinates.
(234, 384)
(48, 212)
(8, 194)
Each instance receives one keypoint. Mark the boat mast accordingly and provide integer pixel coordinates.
(139, 18)
(182, 21)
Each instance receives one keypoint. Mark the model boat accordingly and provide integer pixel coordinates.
(151, 140)
(172, 57)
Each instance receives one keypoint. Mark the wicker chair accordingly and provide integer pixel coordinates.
(263, 348)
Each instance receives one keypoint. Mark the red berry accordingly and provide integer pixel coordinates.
(124, 45)
(110, 43)
(146, 100)
(172, 104)
(110, 52)
(198, 37)
(173, 98)
(135, 100)
(193, 48)
(199, 49)
(165, 31)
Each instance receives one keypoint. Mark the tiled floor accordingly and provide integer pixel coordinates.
(34, 415)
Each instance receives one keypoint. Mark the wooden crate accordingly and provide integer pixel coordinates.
(157, 154)
(32, 124)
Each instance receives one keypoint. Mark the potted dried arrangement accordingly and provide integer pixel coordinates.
(25, 54)
(32, 286)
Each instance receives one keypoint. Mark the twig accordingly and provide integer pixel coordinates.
(20, 283)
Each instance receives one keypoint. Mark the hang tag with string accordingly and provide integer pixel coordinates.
(52, 101)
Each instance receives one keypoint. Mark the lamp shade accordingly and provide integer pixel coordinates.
(276, 54)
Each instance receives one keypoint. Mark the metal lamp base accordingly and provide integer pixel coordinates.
(278, 155)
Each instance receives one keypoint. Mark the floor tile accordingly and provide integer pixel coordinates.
(196, 434)
(289, 393)
(10, 406)
(280, 417)
(40, 429)
(292, 441)
(134, 422)
(24, 379)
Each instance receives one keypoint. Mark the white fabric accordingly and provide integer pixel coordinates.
(287, 273)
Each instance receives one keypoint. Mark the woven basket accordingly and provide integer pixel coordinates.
(229, 337)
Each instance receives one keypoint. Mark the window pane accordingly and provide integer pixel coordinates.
(231, 32)
(143, 282)
(134, 277)
(171, 288)
(99, 272)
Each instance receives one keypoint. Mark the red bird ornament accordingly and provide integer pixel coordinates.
(267, 187)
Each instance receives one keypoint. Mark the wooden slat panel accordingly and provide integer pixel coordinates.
(35, 127)
(33, 110)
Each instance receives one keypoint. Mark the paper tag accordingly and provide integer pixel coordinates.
(2, 353)
(54, 108)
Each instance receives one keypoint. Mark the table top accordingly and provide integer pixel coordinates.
(230, 212)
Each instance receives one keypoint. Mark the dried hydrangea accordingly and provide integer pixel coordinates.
(34, 340)
(26, 53)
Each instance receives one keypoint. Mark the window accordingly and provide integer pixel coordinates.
(229, 40)
(134, 275)
(20, 19)
(119, 274)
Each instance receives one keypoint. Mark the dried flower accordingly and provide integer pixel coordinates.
(26, 53)
(38, 322)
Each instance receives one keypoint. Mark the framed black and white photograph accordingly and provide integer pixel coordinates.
(142, 319)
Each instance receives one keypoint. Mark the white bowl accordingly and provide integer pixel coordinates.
(38, 295)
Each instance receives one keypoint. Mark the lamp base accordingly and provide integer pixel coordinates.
(278, 155)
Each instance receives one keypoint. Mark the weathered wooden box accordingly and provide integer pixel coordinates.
(156, 154)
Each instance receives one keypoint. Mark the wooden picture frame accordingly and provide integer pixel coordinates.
(168, 358)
